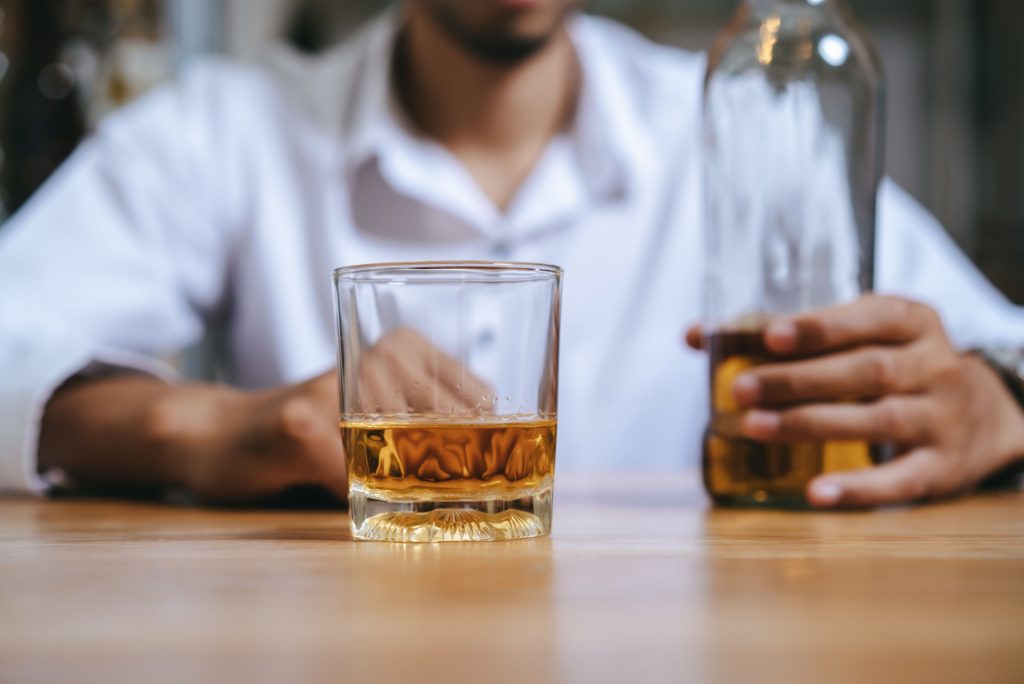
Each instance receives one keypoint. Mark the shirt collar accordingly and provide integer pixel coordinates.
(366, 123)
(604, 133)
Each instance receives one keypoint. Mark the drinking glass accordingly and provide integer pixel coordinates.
(448, 375)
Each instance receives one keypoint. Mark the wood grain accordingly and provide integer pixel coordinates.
(641, 581)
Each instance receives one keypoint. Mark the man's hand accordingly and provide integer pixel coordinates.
(404, 372)
(222, 444)
(230, 446)
(226, 445)
(881, 369)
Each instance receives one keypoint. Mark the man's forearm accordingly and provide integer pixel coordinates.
(119, 431)
(220, 443)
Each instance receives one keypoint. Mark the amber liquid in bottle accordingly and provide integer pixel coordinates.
(739, 471)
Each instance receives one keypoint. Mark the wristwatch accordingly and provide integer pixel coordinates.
(1009, 366)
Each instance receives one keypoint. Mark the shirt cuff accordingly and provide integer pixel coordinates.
(32, 371)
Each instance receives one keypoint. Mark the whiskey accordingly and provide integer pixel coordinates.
(742, 471)
(433, 480)
(428, 461)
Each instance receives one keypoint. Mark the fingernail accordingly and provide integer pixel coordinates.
(761, 423)
(826, 492)
(747, 389)
(781, 336)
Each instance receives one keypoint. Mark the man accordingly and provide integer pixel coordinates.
(511, 129)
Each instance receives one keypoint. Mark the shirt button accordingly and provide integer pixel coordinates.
(485, 338)
(501, 250)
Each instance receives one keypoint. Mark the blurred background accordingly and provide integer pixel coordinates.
(955, 73)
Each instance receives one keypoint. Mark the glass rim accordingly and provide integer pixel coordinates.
(523, 269)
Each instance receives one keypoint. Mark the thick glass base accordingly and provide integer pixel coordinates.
(443, 521)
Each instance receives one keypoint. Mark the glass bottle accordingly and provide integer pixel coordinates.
(793, 127)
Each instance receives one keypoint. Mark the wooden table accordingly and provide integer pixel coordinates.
(641, 581)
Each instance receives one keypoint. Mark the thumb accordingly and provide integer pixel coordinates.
(310, 435)
(327, 453)
(904, 480)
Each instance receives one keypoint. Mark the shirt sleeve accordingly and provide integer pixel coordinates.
(918, 259)
(117, 259)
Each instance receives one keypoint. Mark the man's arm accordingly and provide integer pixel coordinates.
(216, 442)
(226, 445)
(119, 257)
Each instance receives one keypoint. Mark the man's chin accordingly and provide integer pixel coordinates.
(501, 43)
(518, 4)
(504, 49)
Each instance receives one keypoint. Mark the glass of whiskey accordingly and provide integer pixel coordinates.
(448, 376)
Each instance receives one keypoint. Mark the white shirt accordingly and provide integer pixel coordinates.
(239, 189)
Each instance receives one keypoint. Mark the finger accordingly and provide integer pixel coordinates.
(328, 457)
(900, 420)
(427, 395)
(435, 397)
(908, 478)
(454, 378)
(311, 448)
(472, 391)
(378, 391)
(423, 392)
(865, 373)
(695, 338)
(452, 387)
(871, 319)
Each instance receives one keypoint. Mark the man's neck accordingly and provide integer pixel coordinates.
(496, 119)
